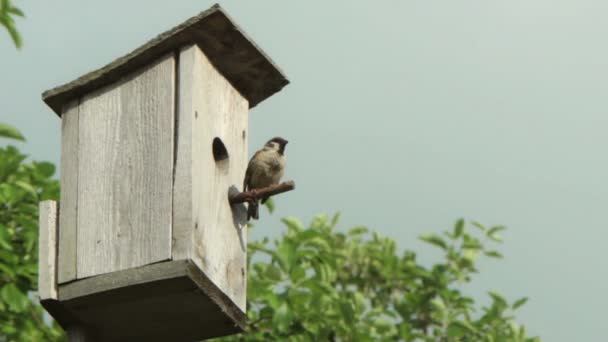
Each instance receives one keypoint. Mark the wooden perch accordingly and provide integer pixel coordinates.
(253, 195)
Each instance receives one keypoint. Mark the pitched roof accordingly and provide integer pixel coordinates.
(230, 50)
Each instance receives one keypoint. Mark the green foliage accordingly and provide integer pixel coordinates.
(7, 13)
(22, 186)
(319, 284)
(8, 131)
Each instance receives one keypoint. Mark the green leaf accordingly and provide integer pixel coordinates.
(298, 273)
(273, 273)
(498, 298)
(518, 303)
(460, 328)
(15, 36)
(28, 188)
(5, 239)
(273, 300)
(348, 311)
(293, 223)
(493, 254)
(358, 231)
(16, 11)
(434, 239)
(319, 221)
(318, 242)
(471, 242)
(282, 318)
(492, 233)
(15, 299)
(269, 205)
(439, 305)
(470, 254)
(478, 226)
(286, 254)
(456, 330)
(7, 131)
(46, 169)
(459, 228)
(335, 220)
(360, 302)
(7, 271)
(514, 327)
(8, 329)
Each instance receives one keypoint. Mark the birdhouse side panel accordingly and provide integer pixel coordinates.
(69, 194)
(183, 221)
(219, 116)
(125, 172)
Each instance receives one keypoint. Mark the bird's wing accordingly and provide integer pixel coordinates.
(249, 172)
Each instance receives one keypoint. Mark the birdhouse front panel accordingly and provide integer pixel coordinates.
(211, 159)
(125, 172)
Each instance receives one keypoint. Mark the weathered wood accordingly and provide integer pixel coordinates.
(219, 235)
(256, 194)
(155, 144)
(238, 58)
(168, 301)
(47, 250)
(122, 279)
(183, 222)
(69, 193)
(79, 333)
(125, 172)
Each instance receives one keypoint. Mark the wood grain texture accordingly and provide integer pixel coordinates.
(219, 237)
(69, 193)
(125, 172)
(123, 279)
(167, 301)
(237, 57)
(183, 221)
(47, 250)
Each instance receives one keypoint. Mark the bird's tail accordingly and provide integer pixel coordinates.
(253, 211)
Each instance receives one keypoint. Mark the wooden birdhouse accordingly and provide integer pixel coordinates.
(144, 244)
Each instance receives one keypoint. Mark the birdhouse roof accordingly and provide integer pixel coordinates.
(230, 50)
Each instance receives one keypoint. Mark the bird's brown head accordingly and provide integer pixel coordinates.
(277, 143)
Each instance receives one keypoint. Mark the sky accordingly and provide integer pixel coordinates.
(404, 115)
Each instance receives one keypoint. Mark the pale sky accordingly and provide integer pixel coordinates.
(404, 115)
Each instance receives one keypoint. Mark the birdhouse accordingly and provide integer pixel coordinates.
(144, 244)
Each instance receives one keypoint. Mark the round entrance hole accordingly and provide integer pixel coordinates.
(220, 154)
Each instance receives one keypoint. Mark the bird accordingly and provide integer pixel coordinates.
(265, 168)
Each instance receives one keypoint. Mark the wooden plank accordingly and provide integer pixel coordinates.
(168, 301)
(69, 193)
(47, 250)
(123, 279)
(242, 62)
(183, 223)
(219, 239)
(126, 172)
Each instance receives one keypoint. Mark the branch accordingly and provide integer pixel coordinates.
(253, 195)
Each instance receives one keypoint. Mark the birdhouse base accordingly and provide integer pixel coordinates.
(153, 303)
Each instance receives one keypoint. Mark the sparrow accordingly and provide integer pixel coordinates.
(265, 168)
